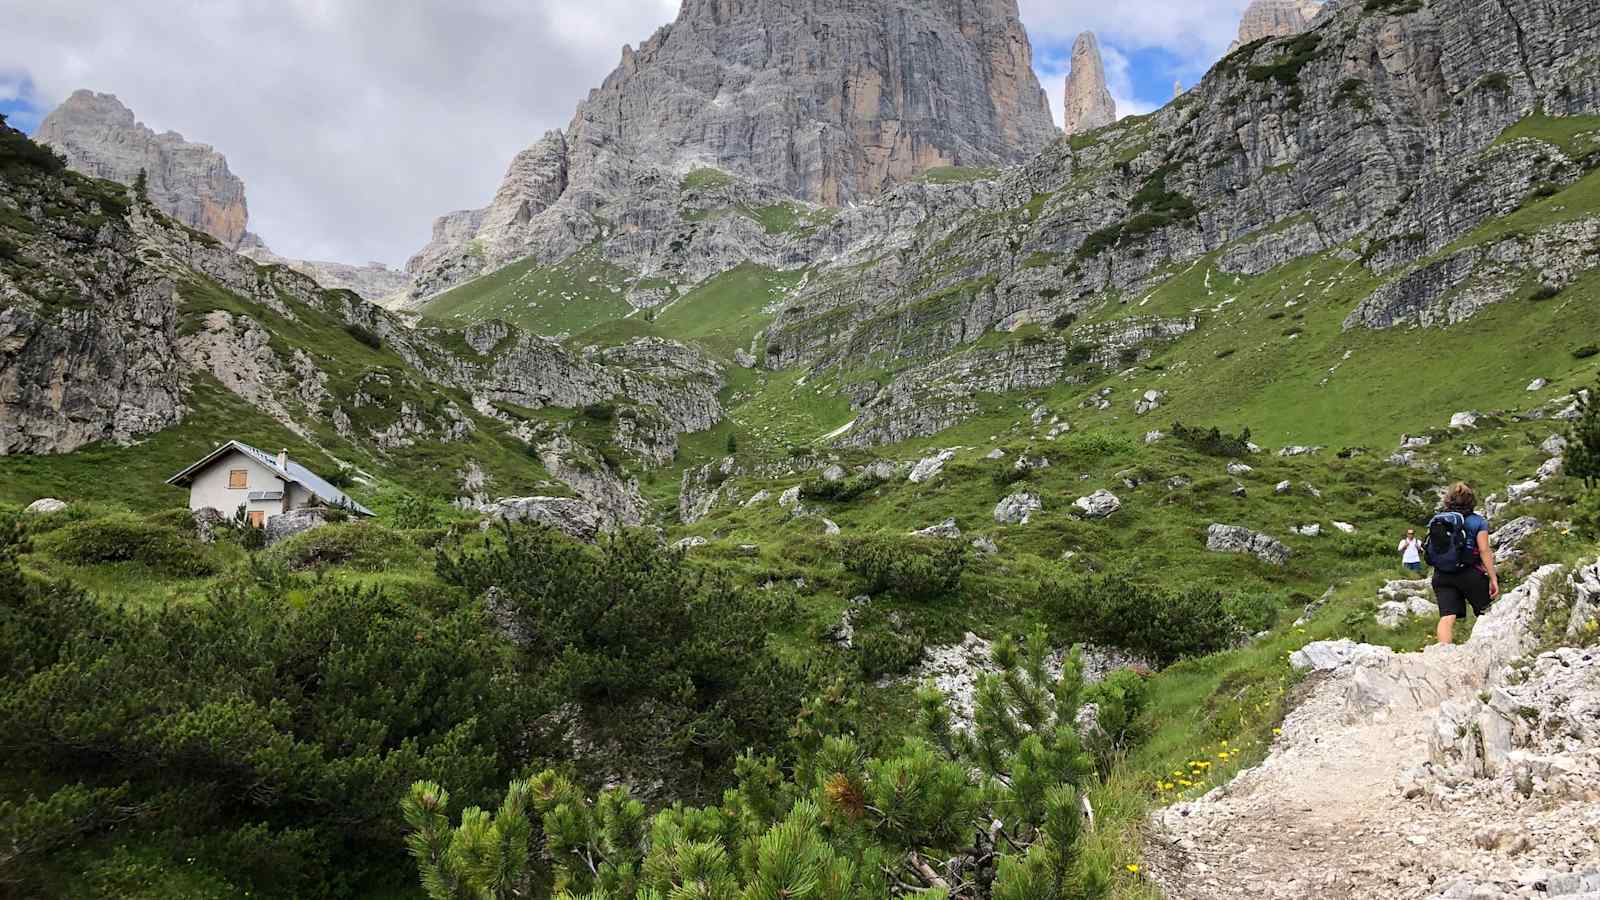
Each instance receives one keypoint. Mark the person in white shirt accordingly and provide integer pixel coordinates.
(1411, 551)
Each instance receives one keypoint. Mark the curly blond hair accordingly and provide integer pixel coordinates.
(1461, 497)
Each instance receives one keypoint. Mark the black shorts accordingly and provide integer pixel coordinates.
(1455, 590)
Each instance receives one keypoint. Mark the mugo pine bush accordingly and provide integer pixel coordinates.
(989, 811)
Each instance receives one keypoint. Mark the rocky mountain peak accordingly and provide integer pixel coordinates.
(825, 101)
(1274, 18)
(191, 182)
(102, 138)
(1089, 104)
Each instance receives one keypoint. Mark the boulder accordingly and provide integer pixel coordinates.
(1462, 420)
(1239, 470)
(1299, 451)
(1397, 612)
(1329, 656)
(1236, 539)
(985, 546)
(830, 527)
(1552, 468)
(1345, 527)
(1473, 450)
(1098, 505)
(946, 530)
(882, 470)
(1154, 437)
(790, 499)
(995, 455)
(1283, 487)
(1018, 509)
(206, 523)
(1240, 491)
(758, 498)
(833, 473)
(575, 518)
(1414, 442)
(690, 543)
(929, 468)
(1554, 445)
(45, 506)
(1511, 535)
(1522, 490)
(289, 524)
(1538, 384)
(1405, 588)
(1148, 402)
(1312, 530)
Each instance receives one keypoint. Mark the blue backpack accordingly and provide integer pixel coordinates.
(1449, 546)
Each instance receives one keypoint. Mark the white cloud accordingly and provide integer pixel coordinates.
(355, 122)
(352, 122)
(1196, 31)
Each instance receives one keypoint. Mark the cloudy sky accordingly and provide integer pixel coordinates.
(355, 122)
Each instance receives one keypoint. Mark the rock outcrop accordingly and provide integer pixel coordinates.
(1235, 539)
(823, 101)
(1088, 101)
(1274, 18)
(190, 182)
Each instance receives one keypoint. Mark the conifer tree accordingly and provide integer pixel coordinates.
(1583, 439)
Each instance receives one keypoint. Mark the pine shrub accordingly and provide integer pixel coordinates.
(125, 538)
(916, 569)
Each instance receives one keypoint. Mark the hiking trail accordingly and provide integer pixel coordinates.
(1469, 772)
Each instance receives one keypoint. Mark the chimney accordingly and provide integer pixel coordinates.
(283, 459)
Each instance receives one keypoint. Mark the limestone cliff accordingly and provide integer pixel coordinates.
(101, 138)
(1088, 104)
(1274, 18)
(825, 101)
(1376, 135)
(190, 182)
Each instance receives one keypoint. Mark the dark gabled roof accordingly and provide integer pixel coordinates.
(293, 473)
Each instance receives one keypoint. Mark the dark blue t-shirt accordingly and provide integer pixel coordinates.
(1476, 525)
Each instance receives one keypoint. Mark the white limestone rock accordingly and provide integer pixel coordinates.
(1098, 505)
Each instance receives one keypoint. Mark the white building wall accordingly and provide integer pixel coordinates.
(298, 497)
(210, 487)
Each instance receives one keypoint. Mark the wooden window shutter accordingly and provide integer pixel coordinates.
(238, 479)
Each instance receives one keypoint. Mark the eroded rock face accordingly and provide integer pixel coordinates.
(1274, 173)
(190, 182)
(1274, 18)
(826, 101)
(1088, 104)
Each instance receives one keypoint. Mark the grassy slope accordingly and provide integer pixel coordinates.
(566, 298)
(720, 315)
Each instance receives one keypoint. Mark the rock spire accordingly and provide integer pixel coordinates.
(1088, 104)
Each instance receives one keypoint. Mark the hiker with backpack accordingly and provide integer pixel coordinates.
(1463, 565)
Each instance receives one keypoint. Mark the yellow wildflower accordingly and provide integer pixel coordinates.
(1133, 868)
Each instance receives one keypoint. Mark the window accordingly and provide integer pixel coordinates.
(257, 519)
(238, 479)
